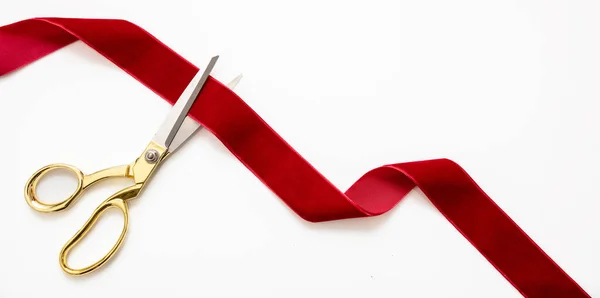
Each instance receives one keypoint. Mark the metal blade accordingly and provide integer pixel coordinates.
(234, 82)
(167, 132)
(190, 126)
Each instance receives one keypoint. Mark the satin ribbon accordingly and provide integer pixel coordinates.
(451, 190)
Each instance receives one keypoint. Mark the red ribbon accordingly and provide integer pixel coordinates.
(281, 168)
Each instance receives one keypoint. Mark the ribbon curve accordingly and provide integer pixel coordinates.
(272, 160)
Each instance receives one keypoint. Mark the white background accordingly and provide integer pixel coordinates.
(508, 89)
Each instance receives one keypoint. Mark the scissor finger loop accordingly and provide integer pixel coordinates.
(83, 182)
(119, 201)
(31, 188)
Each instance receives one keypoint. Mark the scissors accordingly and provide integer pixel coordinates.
(176, 129)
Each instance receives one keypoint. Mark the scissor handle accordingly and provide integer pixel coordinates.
(83, 182)
(119, 201)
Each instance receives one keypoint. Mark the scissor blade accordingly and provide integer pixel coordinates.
(234, 82)
(167, 132)
(190, 126)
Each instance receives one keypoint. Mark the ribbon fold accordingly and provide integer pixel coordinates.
(272, 160)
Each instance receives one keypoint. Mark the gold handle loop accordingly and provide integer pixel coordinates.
(31, 185)
(118, 200)
(83, 182)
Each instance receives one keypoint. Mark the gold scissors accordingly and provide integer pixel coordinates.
(174, 132)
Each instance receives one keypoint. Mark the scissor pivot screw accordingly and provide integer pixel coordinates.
(151, 156)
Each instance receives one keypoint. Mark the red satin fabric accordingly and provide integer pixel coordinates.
(282, 169)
